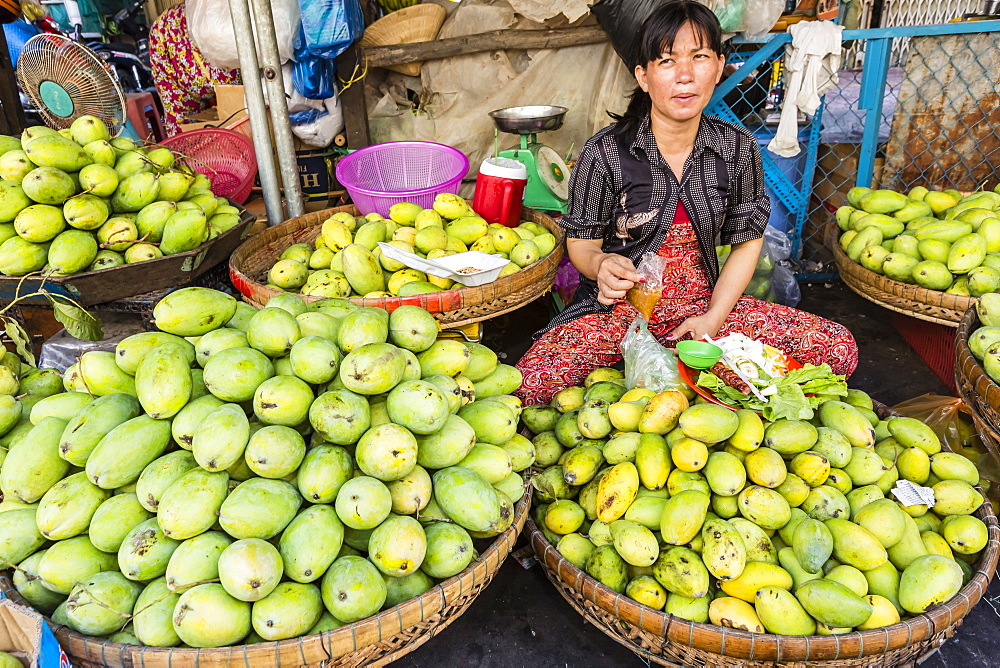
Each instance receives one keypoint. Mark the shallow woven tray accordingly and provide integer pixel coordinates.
(975, 387)
(911, 300)
(128, 280)
(668, 640)
(374, 641)
(248, 268)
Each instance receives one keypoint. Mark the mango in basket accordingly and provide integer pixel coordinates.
(451, 206)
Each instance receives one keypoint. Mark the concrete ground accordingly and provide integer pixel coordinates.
(521, 620)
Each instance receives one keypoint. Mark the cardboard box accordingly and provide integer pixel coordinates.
(24, 633)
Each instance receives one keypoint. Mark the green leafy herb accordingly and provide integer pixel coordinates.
(790, 401)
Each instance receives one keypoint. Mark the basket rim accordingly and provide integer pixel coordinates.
(917, 629)
(851, 272)
(351, 158)
(167, 141)
(430, 603)
(975, 387)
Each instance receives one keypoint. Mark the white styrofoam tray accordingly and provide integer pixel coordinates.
(488, 266)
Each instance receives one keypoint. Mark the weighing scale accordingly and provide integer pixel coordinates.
(548, 176)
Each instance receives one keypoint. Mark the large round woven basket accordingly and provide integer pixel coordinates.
(911, 300)
(374, 641)
(661, 638)
(975, 387)
(250, 262)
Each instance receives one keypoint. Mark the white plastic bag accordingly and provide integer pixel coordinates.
(761, 15)
(320, 131)
(211, 26)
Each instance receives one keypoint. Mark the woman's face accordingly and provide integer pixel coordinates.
(681, 83)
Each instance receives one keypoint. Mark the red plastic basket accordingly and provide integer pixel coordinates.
(227, 158)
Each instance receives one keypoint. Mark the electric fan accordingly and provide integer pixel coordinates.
(66, 80)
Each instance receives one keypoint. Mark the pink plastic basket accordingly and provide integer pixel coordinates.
(227, 158)
(379, 176)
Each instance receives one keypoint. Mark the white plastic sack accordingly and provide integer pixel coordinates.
(321, 132)
(211, 26)
(761, 15)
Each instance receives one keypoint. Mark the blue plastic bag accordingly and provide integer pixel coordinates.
(312, 76)
(330, 26)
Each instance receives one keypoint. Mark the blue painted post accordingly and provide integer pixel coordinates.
(873, 77)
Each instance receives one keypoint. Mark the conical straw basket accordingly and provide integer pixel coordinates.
(419, 23)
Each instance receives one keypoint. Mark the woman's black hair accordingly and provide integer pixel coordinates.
(655, 38)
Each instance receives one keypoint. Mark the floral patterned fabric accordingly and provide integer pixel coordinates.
(565, 355)
(183, 78)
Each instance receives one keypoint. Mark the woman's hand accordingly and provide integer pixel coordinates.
(698, 326)
(615, 276)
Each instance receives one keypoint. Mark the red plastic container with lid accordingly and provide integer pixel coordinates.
(500, 191)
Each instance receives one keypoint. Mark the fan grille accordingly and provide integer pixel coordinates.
(86, 79)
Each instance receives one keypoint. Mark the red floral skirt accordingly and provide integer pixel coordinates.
(564, 356)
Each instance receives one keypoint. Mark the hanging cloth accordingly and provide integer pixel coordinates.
(812, 61)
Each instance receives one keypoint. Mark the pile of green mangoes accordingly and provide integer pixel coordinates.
(346, 261)
(760, 283)
(939, 240)
(76, 200)
(716, 516)
(243, 475)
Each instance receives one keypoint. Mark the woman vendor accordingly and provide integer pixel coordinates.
(667, 179)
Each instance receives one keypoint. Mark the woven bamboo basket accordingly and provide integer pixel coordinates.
(911, 300)
(975, 387)
(417, 23)
(374, 641)
(248, 268)
(664, 639)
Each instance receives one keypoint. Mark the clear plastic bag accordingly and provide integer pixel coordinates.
(646, 293)
(211, 26)
(772, 280)
(647, 363)
(330, 26)
(954, 423)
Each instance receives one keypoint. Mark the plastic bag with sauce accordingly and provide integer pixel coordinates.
(643, 296)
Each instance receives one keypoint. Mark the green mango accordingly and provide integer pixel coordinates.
(353, 589)
(113, 519)
(153, 618)
(259, 508)
(193, 311)
(190, 504)
(66, 509)
(19, 535)
(209, 617)
(310, 543)
(32, 465)
(681, 571)
(57, 151)
(196, 560)
(144, 553)
(833, 604)
(97, 605)
(126, 450)
(68, 562)
(467, 498)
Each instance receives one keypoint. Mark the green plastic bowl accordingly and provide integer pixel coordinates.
(699, 354)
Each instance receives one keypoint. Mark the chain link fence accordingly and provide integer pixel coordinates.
(930, 119)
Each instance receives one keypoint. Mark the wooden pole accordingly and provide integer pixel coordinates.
(495, 40)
